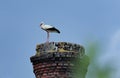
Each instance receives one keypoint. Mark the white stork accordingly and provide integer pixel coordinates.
(49, 29)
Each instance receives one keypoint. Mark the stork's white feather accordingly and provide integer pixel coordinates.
(46, 26)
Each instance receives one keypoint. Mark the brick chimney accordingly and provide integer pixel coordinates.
(60, 60)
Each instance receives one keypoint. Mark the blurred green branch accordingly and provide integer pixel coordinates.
(95, 70)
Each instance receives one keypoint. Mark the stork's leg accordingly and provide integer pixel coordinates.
(48, 37)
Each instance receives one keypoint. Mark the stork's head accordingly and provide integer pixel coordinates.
(42, 23)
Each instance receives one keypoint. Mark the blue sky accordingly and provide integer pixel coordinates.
(79, 22)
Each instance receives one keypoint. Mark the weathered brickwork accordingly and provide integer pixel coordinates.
(54, 59)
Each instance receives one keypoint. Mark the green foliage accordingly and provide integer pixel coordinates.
(95, 70)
